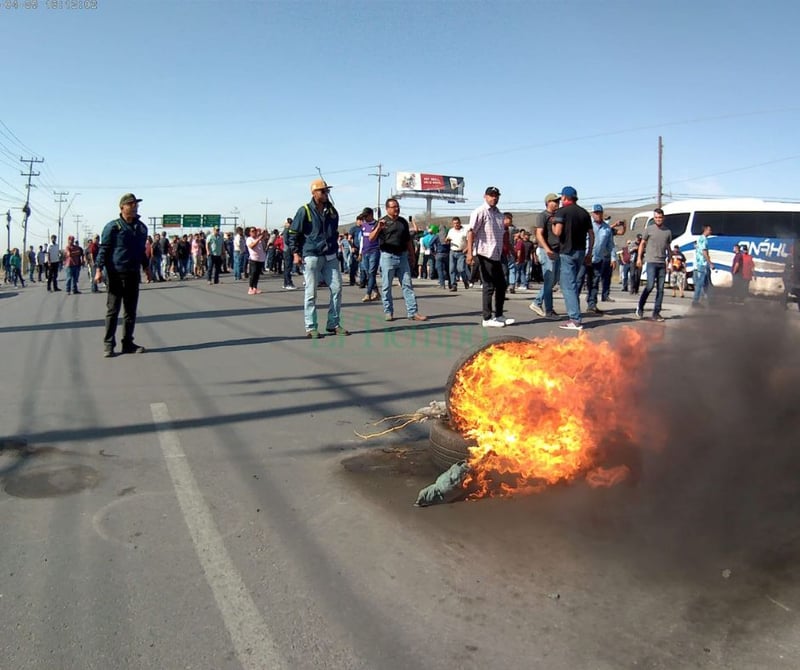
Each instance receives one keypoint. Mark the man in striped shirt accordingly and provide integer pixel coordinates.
(485, 245)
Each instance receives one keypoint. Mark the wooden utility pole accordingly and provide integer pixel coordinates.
(61, 200)
(77, 219)
(26, 210)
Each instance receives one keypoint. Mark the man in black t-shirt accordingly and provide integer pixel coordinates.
(396, 248)
(573, 226)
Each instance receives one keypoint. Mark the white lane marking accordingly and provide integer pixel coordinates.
(255, 648)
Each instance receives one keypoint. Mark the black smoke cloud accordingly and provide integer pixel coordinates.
(723, 398)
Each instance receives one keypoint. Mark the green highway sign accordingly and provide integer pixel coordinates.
(192, 220)
(211, 219)
(171, 220)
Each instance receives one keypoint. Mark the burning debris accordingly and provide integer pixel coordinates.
(543, 412)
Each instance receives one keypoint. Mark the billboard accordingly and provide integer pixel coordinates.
(429, 183)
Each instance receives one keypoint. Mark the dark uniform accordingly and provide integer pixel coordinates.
(122, 256)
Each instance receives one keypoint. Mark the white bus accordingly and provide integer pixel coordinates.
(768, 230)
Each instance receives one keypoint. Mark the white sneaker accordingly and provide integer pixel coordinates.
(507, 321)
(570, 325)
(493, 323)
(536, 308)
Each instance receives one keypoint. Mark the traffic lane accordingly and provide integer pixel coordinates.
(86, 584)
(154, 374)
(567, 571)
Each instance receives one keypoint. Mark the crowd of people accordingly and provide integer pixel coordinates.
(569, 249)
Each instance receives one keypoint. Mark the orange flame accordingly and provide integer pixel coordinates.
(544, 411)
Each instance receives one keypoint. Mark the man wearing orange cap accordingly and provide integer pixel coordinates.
(314, 241)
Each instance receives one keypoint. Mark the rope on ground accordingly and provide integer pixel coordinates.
(409, 419)
(436, 409)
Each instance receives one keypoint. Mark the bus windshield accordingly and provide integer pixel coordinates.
(676, 223)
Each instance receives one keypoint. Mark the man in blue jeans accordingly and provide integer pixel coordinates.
(394, 238)
(604, 258)
(370, 254)
(573, 227)
(702, 267)
(314, 241)
(547, 252)
(457, 235)
(654, 250)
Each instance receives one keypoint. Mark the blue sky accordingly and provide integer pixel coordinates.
(211, 107)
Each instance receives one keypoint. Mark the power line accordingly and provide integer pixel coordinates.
(218, 183)
(18, 141)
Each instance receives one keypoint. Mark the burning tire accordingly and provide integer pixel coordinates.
(447, 446)
(468, 356)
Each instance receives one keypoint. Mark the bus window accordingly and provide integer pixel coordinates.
(748, 224)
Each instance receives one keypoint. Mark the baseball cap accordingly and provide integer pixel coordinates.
(128, 197)
(568, 192)
(551, 197)
(319, 185)
(597, 208)
(492, 190)
(367, 211)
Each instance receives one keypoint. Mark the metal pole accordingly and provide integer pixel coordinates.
(266, 202)
(379, 174)
(660, 157)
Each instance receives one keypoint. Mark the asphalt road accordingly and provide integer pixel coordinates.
(208, 504)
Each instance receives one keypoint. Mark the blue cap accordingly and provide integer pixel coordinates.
(597, 208)
(568, 192)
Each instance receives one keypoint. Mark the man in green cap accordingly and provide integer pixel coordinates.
(122, 256)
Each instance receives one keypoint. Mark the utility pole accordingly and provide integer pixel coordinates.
(8, 228)
(77, 219)
(66, 211)
(60, 201)
(266, 204)
(26, 210)
(660, 183)
(379, 174)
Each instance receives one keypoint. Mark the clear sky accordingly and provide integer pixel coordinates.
(213, 107)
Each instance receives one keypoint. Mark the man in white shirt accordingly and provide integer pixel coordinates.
(53, 264)
(458, 253)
